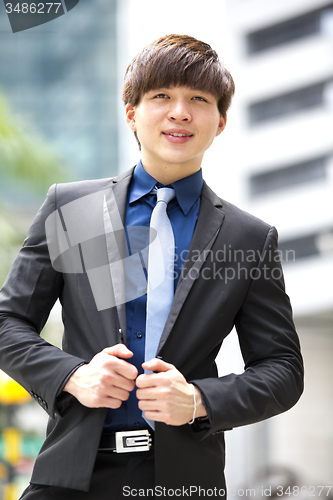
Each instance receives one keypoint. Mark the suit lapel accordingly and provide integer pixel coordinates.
(208, 224)
(207, 228)
(114, 222)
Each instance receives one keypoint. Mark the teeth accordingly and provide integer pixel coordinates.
(177, 135)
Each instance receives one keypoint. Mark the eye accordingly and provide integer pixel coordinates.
(161, 96)
(199, 98)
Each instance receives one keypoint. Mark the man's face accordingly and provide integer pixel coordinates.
(175, 126)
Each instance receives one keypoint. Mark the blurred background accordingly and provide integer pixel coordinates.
(62, 119)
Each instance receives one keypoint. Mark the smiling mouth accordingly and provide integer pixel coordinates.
(174, 134)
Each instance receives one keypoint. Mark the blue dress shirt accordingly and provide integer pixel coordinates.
(183, 213)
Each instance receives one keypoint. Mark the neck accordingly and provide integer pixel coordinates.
(168, 174)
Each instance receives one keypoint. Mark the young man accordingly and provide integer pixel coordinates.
(127, 350)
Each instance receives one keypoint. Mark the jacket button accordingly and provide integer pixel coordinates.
(139, 335)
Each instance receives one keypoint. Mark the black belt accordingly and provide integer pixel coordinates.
(126, 441)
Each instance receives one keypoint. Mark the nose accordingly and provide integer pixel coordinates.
(179, 111)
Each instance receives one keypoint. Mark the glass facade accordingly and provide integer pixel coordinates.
(61, 77)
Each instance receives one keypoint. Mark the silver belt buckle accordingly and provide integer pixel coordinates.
(128, 441)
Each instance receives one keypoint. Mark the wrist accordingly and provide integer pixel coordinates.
(199, 410)
(72, 383)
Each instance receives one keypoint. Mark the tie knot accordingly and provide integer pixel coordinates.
(165, 194)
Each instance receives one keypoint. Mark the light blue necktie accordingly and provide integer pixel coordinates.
(161, 259)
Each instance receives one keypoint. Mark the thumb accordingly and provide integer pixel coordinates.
(157, 365)
(118, 350)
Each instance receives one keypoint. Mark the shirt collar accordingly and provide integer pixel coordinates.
(187, 190)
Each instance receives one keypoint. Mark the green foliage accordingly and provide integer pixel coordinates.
(24, 155)
(25, 160)
(10, 242)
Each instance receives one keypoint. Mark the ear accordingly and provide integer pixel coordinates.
(130, 116)
(221, 126)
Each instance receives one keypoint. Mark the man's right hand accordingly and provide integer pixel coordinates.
(106, 381)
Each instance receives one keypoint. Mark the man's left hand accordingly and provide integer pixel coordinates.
(165, 396)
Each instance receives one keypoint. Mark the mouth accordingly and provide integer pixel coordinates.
(174, 134)
(177, 133)
(177, 136)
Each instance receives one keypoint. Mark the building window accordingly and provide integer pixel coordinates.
(290, 176)
(298, 248)
(288, 31)
(288, 104)
(312, 245)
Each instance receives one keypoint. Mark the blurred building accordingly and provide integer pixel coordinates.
(275, 159)
(281, 55)
(61, 77)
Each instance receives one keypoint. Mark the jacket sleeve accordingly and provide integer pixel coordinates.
(26, 299)
(272, 381)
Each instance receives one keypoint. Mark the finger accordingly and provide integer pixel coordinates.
(109, 402)
(119, 350)
(154, 415)
(115, 380)
(126, 370)
(115, 374)
(157, 365)
(104, 397)
(148, 393)
(116, 393)
(146, 405)
(147, 380)
(121, 367)
(112, 403)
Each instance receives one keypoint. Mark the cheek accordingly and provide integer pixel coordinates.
(213, 129)
(142, 126)
(208, 137)
(155, 118)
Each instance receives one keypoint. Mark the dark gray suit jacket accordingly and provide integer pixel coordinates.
(232, 277)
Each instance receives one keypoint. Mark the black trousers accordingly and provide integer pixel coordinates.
(115, 477)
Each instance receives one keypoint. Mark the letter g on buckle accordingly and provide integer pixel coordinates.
(129, 441)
